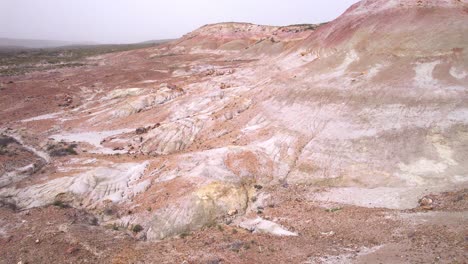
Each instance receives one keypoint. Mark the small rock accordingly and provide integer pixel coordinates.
(224, 86)
(331, 233)
(172, 86)
(426, 203)
(210, 72)
(72, 250)
(214, 261)
(37, 241)
(232, 212)
(228, 116)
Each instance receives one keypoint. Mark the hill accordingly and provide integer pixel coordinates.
(344, 142)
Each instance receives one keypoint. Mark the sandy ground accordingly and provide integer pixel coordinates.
(327, 234)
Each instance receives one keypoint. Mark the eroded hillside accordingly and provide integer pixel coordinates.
(238, 143)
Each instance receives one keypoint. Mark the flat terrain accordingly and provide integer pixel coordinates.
(17, 60)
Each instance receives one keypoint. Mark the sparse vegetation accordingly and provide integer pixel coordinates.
(60, 204)
(237, 246)
(335, 209)
(62, 149)
(137, 228)
(17, 61)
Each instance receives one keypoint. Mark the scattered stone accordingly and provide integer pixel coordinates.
(224, 86)
(232, 212)
(172, 86)
(273, 40)
(331, 233)
(214, 261)
(37, 241)
(236, 246)
(210, 72)
(259, 225)
(260, 209)
(228, 116)
(426, 203)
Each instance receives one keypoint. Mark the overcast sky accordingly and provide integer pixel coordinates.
(125, 21)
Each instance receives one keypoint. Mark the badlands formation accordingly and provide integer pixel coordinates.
(345, 142)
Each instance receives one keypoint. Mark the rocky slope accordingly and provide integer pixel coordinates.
(310, 134)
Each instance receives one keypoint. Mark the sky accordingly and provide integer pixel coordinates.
(130, 21)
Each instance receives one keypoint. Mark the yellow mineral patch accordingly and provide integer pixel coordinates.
(225, 196)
